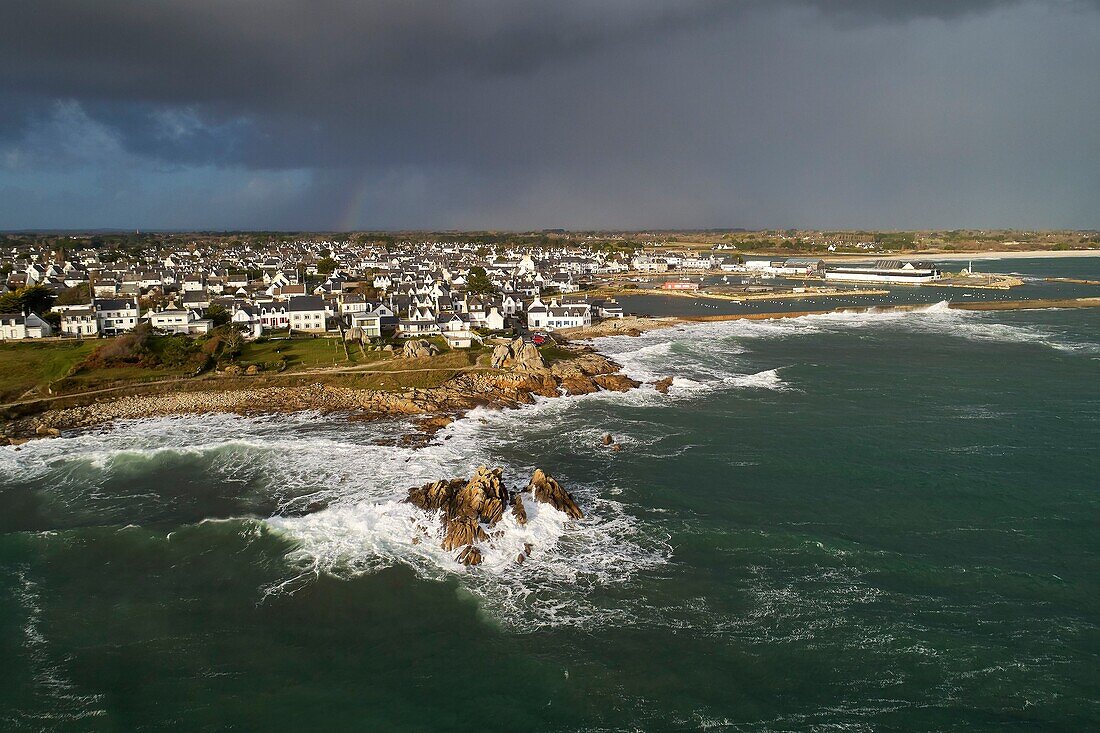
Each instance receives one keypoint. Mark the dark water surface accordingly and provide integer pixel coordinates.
(873, 522)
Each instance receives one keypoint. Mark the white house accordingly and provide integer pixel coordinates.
(307, 313)
(554, 316)
(644, 263)
(16, 326)
(274, 315)
(494, 319)
(117, 315)
(180, 321)
(456, 330)
(79, 321)
(610, 308)
(369, 322)
(248, 317)
(420, 322)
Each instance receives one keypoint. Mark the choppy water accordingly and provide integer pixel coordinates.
(839, 522)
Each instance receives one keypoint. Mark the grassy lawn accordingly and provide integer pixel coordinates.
(455, 359)
(302, 353)
(29, 365)
(395, 382)
(552, 353)
(116, 376)
(26, 369)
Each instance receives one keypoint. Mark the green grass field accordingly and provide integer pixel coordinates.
(305, 353)
(552, 353)
(116, 376)
(27, 369)
(30, 366)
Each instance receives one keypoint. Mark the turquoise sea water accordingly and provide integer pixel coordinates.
(834, 523)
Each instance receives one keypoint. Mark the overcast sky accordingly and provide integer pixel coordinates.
(522, 114)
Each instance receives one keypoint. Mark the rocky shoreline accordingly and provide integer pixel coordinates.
(518, 375)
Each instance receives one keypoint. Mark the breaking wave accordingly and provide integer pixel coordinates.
(337, 496)
(367, 526)
(705, 356)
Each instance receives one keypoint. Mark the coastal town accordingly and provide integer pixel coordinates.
(459, 290)
(98, 328)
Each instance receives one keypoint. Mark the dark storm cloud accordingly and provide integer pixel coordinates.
(295, 53)
(506, 106)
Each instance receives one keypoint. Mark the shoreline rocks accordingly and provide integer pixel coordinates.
(526, 377)
(518, 355)
(545, 489)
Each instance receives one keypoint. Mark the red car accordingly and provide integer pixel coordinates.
(539, 339)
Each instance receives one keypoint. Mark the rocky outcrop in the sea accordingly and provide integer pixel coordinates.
(547, 490)
(663, 385)
(470, 510)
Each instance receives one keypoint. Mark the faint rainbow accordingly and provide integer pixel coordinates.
(358, 196)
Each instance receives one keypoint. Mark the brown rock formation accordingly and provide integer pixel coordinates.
(434, 423)
(578, 385)
(470, 555)
(484, 497)
(549, 491)
(437, 495)
(470, 507)
(518, 356)
(462, 531)
(418, 349)
(465, 506)
(518, 509)
(501, 354)
(616, 382)
(663, 385)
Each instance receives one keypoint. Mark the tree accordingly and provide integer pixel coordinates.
(232, 344)
(177, 351)
(367, 291)
(34, 298)
(479, 283)
(76, 295)
(218, 314)
(326, 265)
